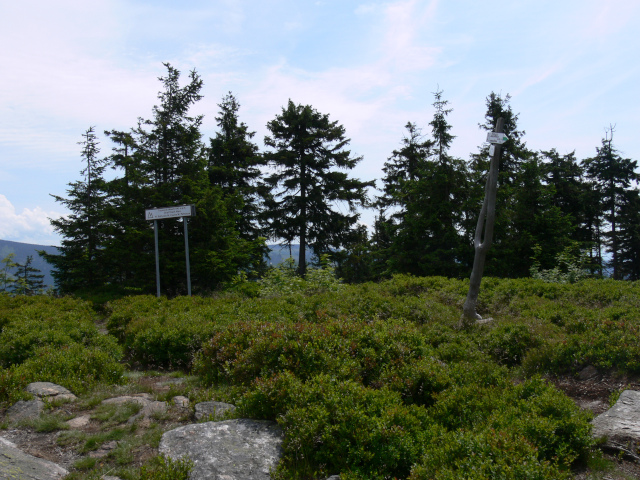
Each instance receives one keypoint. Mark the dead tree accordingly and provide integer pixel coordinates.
(486, 222)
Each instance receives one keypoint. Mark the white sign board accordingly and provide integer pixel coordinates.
(170, 212)
(494, 137)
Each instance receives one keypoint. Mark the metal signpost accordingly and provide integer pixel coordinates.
(156, 214)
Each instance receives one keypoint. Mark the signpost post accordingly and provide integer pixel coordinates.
(155, 214)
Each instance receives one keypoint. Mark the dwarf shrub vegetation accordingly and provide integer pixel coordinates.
(368, 381)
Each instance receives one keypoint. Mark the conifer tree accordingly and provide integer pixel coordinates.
(85, 230)
(234, 163)
(612, 176)
(29, 280)
(629, 237)
(6, 277)
(309, 152)
(164, 163)
(424, 187)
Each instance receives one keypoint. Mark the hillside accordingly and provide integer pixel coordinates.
(23, 250)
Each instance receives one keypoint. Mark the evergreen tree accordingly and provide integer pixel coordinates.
(85, 230)
(612, 176)
(308, 150)
(526, 215)
(164, 162)
(629, 237)
(29, 280)
(234, 165)
(6, 277)
(425, 188)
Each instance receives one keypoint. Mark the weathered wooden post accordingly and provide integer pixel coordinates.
(486, 222)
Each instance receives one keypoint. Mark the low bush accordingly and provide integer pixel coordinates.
(31, 323)
(75, 367)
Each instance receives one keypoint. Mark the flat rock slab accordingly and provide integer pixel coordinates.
(17, 465)
(621, 423)
(212, 410)
(238, 449)
(50, 391)
(25, 409)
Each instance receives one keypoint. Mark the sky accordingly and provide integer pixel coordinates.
(571, 68)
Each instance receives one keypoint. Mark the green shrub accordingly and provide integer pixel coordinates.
(12, 387)
(508, 344)
(75, 367)
(30, 325)
(484, 455)
(345, 348)
(375, 434)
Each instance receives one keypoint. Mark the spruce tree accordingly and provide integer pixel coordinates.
(6, 277)
(612, 176)
(629, 236)
(85, 231)
(309, 152)
(28, 280)
(234, 163)
(164, 163)
(424, 190)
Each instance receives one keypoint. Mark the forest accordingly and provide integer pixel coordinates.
(555, 212)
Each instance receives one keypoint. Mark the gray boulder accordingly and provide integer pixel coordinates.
(25, 409)
(231, 450)
(212, 410)
(17, 465)
(50, 391)
(620, 425)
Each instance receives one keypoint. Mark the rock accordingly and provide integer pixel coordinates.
(15, 464)
(79, 422)
(109, 477)
(149, 406)
(25, 409)
(50, 391)
(588, 373)
(180, 401)
(212, 410)
(233, 449)
(334, 477)
(621, 424)
(104, 449)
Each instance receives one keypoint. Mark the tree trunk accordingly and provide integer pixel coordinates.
(486, 222)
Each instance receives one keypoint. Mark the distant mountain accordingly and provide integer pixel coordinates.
(279, 254)
(23, 250)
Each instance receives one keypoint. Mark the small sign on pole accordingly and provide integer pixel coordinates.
(156, 214)
(495, 137)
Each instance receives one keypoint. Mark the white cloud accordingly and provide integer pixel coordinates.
(29, 226)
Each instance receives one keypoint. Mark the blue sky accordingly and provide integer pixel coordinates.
(570, 66)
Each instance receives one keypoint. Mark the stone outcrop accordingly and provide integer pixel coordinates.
(17, 465)
(50, 391)
(25, 410)
(620, 425)
(238, 449)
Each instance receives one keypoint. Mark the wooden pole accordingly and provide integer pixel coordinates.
(486, 222)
